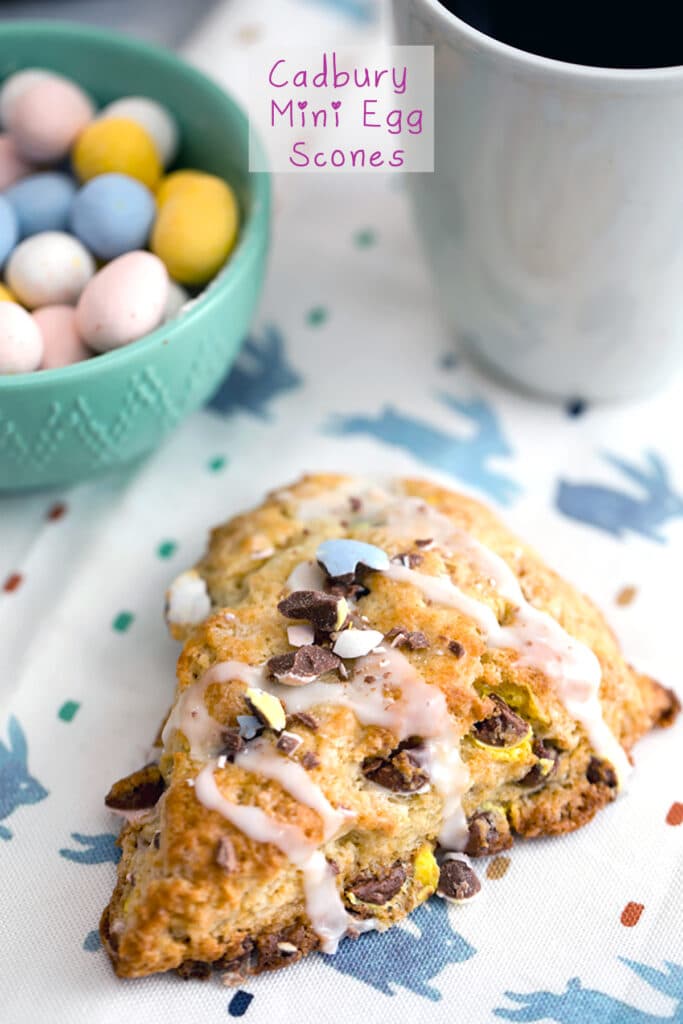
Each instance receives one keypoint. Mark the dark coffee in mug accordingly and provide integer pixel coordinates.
(601, 33)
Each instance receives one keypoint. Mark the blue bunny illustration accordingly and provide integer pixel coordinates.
(578, 1005)
(463, 456)
(96, 849)
(398, 958)
(616, 511)
(17, 785)
(261, 373)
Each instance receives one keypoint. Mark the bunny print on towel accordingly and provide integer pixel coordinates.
(17, 785)
(616, 511)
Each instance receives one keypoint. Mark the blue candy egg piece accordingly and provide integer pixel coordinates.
(42, 202)
(340, 557)
(9, 229)
(112, 214)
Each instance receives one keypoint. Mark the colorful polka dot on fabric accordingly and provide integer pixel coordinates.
(626, 596)
(448, 360)
(13, 582)
(497, 868)
(56, 512)
(675, 814)
(249, 34)
(577, 407)
(68, 710)
(239, 1004)
(123, 622)
(91, 943)
(316, 316)
(167, 549)
(217, 463)
(630, 915)
(365, 238)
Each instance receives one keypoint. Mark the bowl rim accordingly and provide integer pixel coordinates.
(251, 229)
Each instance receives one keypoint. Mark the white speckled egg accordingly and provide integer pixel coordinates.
(21, 343)
(153, 117)
(49, 269)
(16, 84)
(45, 118)
(125, 300)
(12, 167)
(63, 344)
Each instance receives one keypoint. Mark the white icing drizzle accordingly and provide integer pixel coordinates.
(324, 905)
(190, 714)
(419, 710)
(540, 640)
(260, 757)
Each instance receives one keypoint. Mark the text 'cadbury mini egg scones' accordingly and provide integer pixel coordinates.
(376, 683)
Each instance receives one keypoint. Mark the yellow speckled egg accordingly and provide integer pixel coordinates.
(116, 145)
(189, 181)
(196, 226)
(5, 294)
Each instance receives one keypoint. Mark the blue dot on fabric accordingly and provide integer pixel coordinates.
(239, 1004)
(576, 407)
(91, 943)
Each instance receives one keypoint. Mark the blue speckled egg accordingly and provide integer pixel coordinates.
(112, 214)
(42, 202)
(341, 557)
(9, 229)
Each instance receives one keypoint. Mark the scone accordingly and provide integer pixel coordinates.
(377, 683)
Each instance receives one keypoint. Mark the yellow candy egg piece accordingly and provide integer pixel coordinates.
(183, 182)
(116, 145)
(5, 294)
(196, 227)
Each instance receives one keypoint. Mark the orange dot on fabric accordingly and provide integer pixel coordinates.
(630, 915)
(57, 511)
(675, 814)
(12, 583)
(497, 867)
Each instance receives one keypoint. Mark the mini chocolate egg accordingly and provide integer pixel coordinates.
(12, 167)
(112, 214)
(116, 145)
(45, 118)
(125, 300)
(187, 182)
(62, 343)
(14, 85)
(49, 269)
(21, 343)
(177, 297)
(153, 117)
(196, 226)
(9, 229)
(342, 557)
(42, 202)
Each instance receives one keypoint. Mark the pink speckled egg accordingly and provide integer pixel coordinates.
(123, 301)
(12, 167)
(46, 118)
(63, 344)
(14, 85)
(21, 343)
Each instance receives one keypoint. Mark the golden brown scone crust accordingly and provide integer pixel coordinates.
(176, 906)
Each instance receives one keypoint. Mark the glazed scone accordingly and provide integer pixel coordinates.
(377, 683)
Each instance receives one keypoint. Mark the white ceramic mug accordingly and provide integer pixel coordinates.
(554, 218)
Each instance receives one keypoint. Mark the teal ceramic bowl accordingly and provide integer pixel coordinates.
(61, 426)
